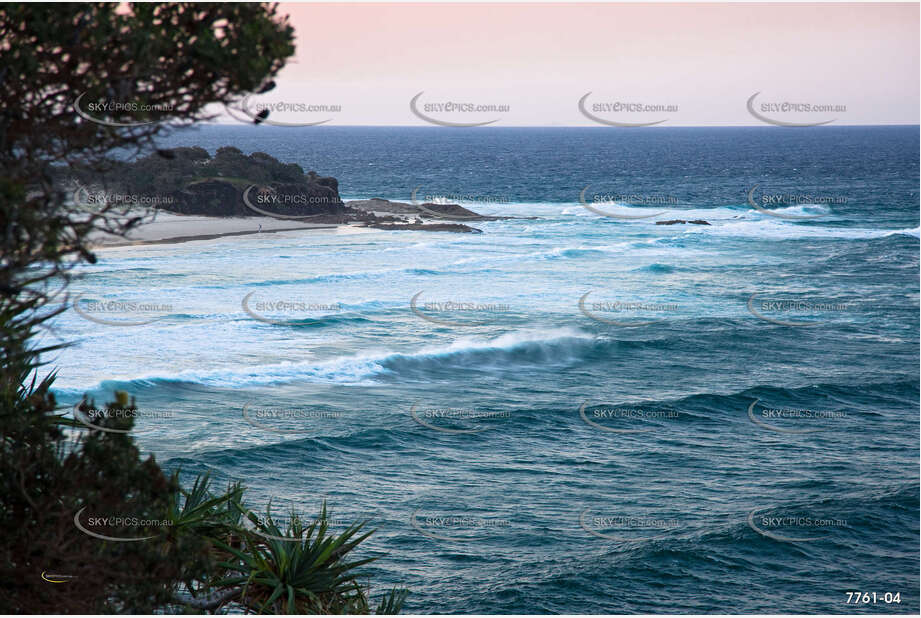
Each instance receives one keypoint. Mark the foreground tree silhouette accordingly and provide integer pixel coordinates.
(78, 83)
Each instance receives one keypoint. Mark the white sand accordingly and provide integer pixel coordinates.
(170, 228)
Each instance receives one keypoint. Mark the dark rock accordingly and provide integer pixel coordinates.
(376, 204)
(212, 197)
(228, 151)
(328, 181)
(428, 210)
(454, 212)
(191, 153)
(427, 227)
(190, 181)
(217, 197)
(682, 222)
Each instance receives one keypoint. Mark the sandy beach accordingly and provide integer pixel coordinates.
(173, 228)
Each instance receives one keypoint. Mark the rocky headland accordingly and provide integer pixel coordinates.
(189, 181)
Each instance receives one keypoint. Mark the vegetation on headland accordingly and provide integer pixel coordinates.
(191, 181)
(207, 550)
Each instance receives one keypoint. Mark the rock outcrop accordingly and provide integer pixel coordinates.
(427, 227)
(682, 222)
(427, 210)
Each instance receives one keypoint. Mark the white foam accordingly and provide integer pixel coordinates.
(361, 368)
(783, 230)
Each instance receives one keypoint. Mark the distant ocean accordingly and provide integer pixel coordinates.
(578, 412)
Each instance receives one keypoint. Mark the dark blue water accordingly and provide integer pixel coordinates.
(700, 165)
(740, 434)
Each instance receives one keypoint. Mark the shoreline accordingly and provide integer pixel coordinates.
(181, 239)
(171, 228)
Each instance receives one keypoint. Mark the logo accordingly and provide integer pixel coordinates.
(100, 201)
(254, 416)
(626, 524)
(454, 307)
(788, 107)
(777, 199)
(81, 417)
(298, 308)
(56, 578)
(269, 196)
(116, 521)
(451, 107)
(454, 414)
(787, 522)
(795, 305)
(623, 107)
(790, 413)
(116, 107)
(250, 526)
(621, 412)
(463, 527)
(618, 306)
(251, 522)
(263, 110)
(609, 198)
(439, 215)
(117, 308)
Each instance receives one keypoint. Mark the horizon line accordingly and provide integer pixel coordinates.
(560, 126)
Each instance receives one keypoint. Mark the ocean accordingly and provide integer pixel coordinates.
(577, 410)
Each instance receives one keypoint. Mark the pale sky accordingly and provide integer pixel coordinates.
(539, 60)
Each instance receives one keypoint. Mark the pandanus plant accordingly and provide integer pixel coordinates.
(303, 569)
